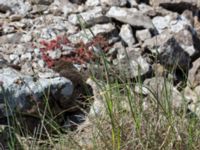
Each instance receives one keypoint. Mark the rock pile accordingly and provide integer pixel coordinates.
(145, 38)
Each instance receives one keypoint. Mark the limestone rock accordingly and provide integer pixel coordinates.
(90, 17)
(130, 16)
(21, 90)
(86, 35)
(126, 33)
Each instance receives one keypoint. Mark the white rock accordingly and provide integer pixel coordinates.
(161, 23)
(178, 25)
(143, 35)
(92, 2)
(92, 16)
(172, 22)
(139, 67)
(126, 33)
(130, 16)
(86, 35)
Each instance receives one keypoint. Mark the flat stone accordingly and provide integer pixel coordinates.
(90, 17)
(130, 16)
(86, 35)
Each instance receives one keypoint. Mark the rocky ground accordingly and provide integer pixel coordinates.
(47, 48)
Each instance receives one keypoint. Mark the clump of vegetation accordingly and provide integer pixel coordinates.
(81, 54)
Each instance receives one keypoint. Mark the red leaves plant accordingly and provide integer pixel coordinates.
(82, 53)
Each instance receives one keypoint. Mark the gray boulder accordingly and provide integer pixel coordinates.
(19, 92)
(126, 33)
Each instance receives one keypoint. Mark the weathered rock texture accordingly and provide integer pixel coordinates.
(137, 39)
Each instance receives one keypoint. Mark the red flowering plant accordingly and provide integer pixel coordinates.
(82, 53)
